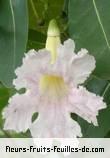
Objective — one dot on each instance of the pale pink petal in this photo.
(55, 129)
(85, 104)
(34, 64)
(74, 68)
(54, 121)
(66, 50)
(18, 114)
(81, 66)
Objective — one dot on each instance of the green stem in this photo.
(34, 9)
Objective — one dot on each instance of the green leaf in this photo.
(89, 26)
(4, 96)
(36, 40)
(13, 37)
(102, 88)
(42, 11)
(100, 131)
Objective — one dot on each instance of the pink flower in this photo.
(54, 91)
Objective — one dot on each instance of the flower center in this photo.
(54, 86)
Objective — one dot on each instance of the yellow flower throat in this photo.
(53, 86)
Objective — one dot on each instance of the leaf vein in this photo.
(100, 22)
(14, 30)
(106, 89)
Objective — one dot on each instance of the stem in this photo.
(34, 9)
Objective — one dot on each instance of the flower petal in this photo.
(81, 67)
(18, 114)
(66, 51)
(74, 68)
(85, 104)
(34, 64)
(54, 121)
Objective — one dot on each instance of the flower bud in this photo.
(53, 39)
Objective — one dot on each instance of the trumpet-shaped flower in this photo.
(52, 78)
